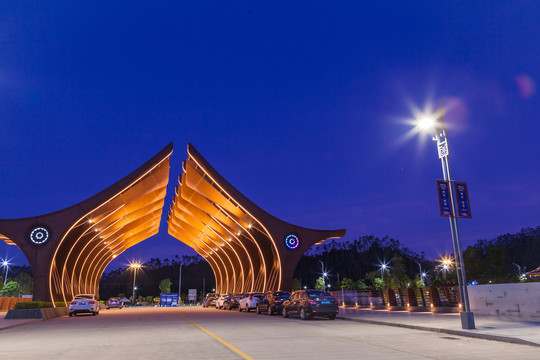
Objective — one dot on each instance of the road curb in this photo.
(506, 339)
(20, 324)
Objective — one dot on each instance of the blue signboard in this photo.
(168, 299)
(445, 204)
(462, 199)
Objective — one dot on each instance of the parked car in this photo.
(84, 303)
(232, 301)
(210, 300)
(309, 303)
(114, 302)
(219, 301)
(272, 302)
(249, 301)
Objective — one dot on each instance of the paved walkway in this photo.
(8, 324)
(487, 327)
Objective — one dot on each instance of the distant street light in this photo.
(324, 275)
(383, 268)
(436, 124)
(180, 283)
(423, 274)
(134, 267)
(5, 264)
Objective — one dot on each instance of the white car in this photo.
(84, 303)
(249, 301)
(220, 300)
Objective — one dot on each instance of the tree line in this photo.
(357, 264)
(195, 272)
(352, 264)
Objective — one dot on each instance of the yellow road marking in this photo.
(230, 346)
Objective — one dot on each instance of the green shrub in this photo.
(11, 289)
(38, 304)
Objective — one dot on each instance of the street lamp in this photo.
(383, 268)
(180, 284)
(323, 276)
(5, 264)
(435, 123)
(134, 267)
(423, 274)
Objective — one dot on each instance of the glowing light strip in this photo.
(132, 240)
(254, 240)
(63, 272)
(181, 223)
(81, 252)
(149, 222)
(126, 219)
(195, 199)
(212, 247)
(90, 270)
(247, 212)
(235, 289)
(233, 235)
(137, 225)
(206, 219)
(200, 198)
(212, 263)
(165, 158)
(218, 252)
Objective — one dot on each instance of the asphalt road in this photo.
(196, 333)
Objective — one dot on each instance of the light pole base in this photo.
(467, 320)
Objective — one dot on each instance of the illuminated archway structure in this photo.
(247, 248)
(68, 250)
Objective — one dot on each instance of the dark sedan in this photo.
(272, 302)
(210, 300)
(232, 301)
(114, 302)
(309, 303)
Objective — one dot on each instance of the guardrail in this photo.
(430, 298)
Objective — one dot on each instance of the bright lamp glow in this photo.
(426, 123)
(5, 263)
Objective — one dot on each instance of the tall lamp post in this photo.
(323, 276)
(180, 285)
(437, 124)
(383, 269)
(5, 264)
(134, 267)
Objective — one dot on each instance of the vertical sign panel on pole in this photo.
(462, 199)
(192, 295)
(445, 205)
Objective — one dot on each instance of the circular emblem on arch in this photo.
(292, 241)
(39, 235)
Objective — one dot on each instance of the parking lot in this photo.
(197, 333)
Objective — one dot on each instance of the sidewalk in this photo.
(487, 327)
(8, 324)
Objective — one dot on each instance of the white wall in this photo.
(518, 302)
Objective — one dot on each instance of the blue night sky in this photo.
(301, 105)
